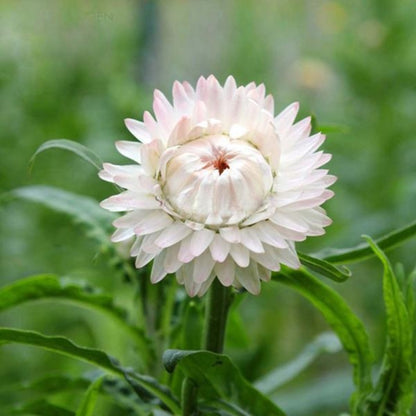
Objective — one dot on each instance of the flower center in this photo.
(216, 180)
(221, 164)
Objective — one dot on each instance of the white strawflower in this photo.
(220, 187)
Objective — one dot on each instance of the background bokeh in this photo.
(75, 69)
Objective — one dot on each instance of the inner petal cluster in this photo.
(216, 180)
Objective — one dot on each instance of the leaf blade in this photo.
(344, 323)
(325, 268)
(92, 356)
(87, 405)
(363, 251)
(393, 393)
(219, 380)
(72, 146)
(49, 286)
(325, 342)
(83, 209)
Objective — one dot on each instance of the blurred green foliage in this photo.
(75, 69)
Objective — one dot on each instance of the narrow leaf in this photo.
(343, 321)
(338, 274)
(393, 393)
(41, 408)
(71, 146)
(96, 357)
(86, 408)
(48, 286)
(218, 379)
(82, 209)
(324, 343)
(363, 250)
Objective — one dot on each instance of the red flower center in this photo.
(221, 164)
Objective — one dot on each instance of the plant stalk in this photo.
(218, 303)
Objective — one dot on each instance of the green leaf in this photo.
(393, 393)
(72, 146)
(326, 342)
(338, 274)
(342, 320)
(363, 250)
(40, 407)
(117, 388)
(96, 357)
(81, 208)
(332, 128)
(218, 380)
(48, 286)
(86, 408)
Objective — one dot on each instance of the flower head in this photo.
(220, 187)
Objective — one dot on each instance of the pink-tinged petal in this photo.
(110, 171)
(163, 112)
(129, 220)
(285, 119)
(200, 87)
(200, 241)
(225, 271)
(240, 254)
(172, 263)
(150, 155)
(185, 255)
(264, 274)
(285, 221)
(152, 222)
(138, 130)
(182, 100)
(269, 259)
(131, 183)
(288, 234)
(289, 258)
(251, 240)
(158, 271)
(230, 234)
(297, 154)
(156, 130)
(128, 201)
(172, 234)
(266, 232)
(269, 104)
(310, 202)
(230, 87)
(237, 131)
(203, 266)
(149, 245)
(144, 258)
(122, 235)
(206, 285)
(249, 278)
(185, 275)
(180, 132)
(298, 131)
(219, 248)
(136, 247)
(130, 150)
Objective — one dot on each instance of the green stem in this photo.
(189, 398)
(219, 299)
(218, 303)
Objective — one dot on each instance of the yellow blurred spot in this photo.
(332, 17)
(312, 73)
(372, 33)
